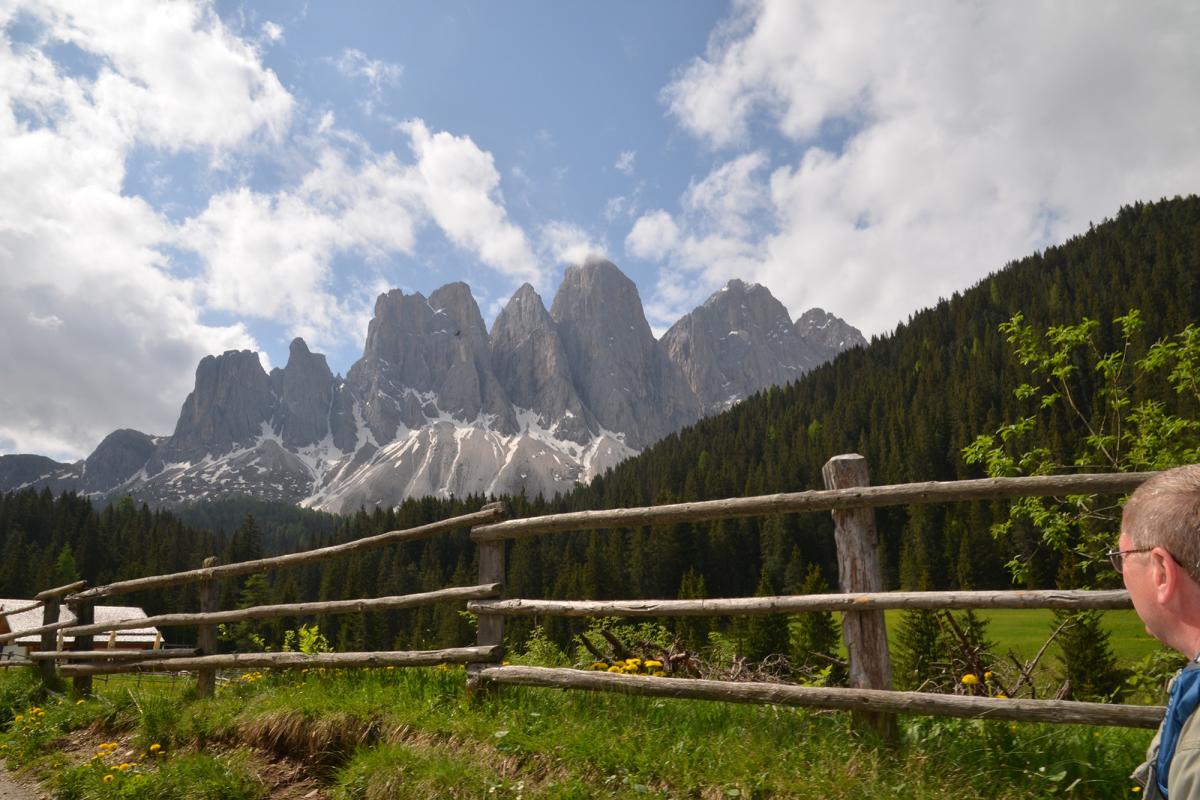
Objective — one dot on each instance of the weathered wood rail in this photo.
(861, 601)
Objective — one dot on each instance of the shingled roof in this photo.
(28, 620)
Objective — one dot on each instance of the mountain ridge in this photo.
(438, 405)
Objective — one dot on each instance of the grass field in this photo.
(1025, 630)
(375, 734)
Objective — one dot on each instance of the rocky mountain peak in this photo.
(116, 459)
(304, 389)
(530, 361)
(424, 358)
(232, 399)
(618, 368)
(740, 340)
(829, 333)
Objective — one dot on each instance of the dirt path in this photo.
(10, 790)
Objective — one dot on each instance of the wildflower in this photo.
(968, 680)
(154, 748)
(108, 778)
(80, 702)
(1136, 789)
(599, 665)
(633, 661)
(658, 673)
(1001, 696)
(18, 718)
(987, 676)
(652, 664)
(614, 668)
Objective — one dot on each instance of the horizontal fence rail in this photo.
(110, 655)
(396, 658)
(292, 610)
(816, 500)
(54, 626)
(787, 604)
(59, 591)
(869, 700)
(487, 514)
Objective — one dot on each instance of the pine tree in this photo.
(815, 636)
(765, 635)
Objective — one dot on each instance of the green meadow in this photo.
(1024, 631)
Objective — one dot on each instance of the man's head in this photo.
(1165, 512)
(1160, 534)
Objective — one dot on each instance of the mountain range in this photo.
(439, 406)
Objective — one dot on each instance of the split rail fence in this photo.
(848, 496)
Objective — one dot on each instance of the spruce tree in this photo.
(815, 635)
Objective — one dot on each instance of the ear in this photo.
(1166, 574)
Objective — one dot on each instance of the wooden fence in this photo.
(848, 496)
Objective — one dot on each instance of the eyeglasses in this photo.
(1117, 557)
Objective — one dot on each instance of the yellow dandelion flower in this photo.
(80, 702)
(1136, 789)
(614, 668)
(1001, 695)
(19, 718)
(154, 748)
(108, 778)
(599, 665)
(968, 680)
(633, 661)
(653, 664)
(658, 673)
(987, 676)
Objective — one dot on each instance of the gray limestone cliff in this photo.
(741, 340)
(531, 363)
(621, 373)
(830, 334)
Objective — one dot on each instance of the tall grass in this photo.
(415, 734)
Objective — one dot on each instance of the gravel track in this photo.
(10, 790)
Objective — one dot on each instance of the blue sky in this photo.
(178, 177)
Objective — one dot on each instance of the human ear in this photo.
(1165, 573)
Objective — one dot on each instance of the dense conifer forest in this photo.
(909, 402)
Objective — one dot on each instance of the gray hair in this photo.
(1165, 512)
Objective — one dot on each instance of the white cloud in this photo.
(654, 235)
(625, 161)
(354, 63)
(100, 332)
(272, 32)
(564, 243)
(460, 187)
(270, 256)
(956, 137)
(172, 76)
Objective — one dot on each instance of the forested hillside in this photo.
(909, 402)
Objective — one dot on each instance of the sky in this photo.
(180, 178)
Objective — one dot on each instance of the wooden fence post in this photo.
(49, 640)
(85, 614)
(864, 632)
(491, 626)
(206, 634)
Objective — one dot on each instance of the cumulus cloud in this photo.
(99, 327)
(654, 235)
(460, 186)
(565, 243)
(936, 142)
